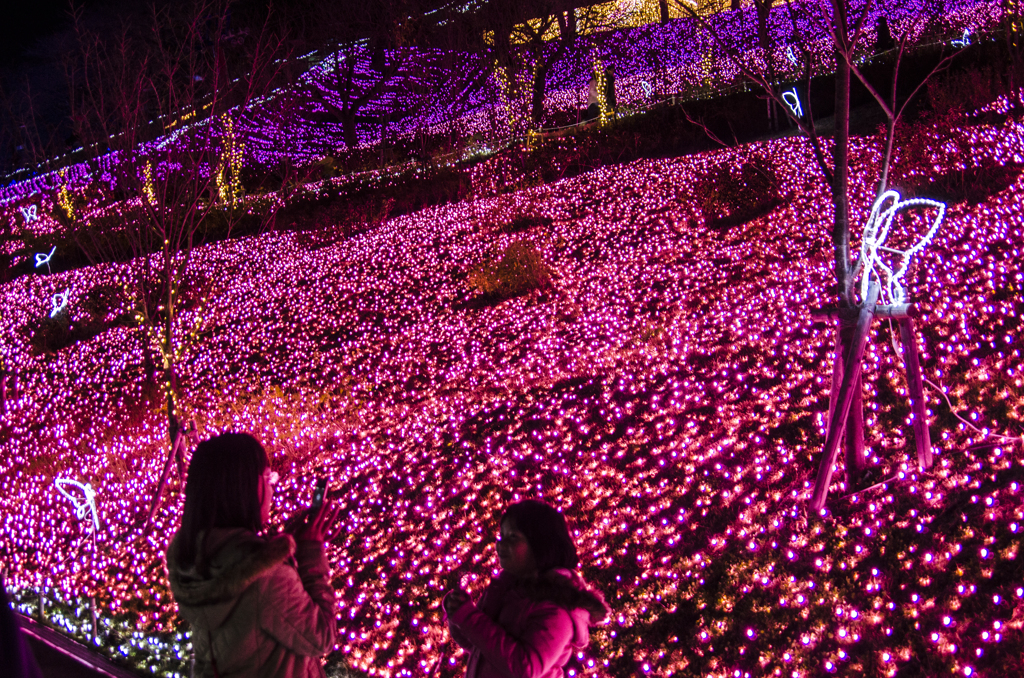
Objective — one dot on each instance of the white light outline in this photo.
(793, 105)
(648, 90)
(59, 302)
(45, 258)
(792, 56)
(965, 40)
(31, 213)
(875, 233)
(81, 508)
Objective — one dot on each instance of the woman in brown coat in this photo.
(257, 606)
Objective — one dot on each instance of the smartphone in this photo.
(319, 490)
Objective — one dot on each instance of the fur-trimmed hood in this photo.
(527, 627)
(229, 563)
(568, 590)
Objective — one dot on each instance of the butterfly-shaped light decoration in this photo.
(876, 231)
(59, 302)
(964, 41)
(83, 506)
(792, 100)
(791, 56)
(31, 213)
(45, 258)
(648, 90)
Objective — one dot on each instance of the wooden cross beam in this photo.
(846, 398)
(853, 361)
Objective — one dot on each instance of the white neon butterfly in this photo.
(82, 508)
(59, 302)
(876, 231)
(792, 100)
(648, 90)
(792, 56)
(45, 258)
(31, 213)
(964, 41)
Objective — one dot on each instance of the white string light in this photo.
(59, 302)
(792, 100)
(88, 506)
(964, 41)
(45, 258)
(875, 233)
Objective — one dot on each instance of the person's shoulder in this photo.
(245, 556)
(270, 564)
(172, 551)
(240, 560)
(273, 550)
(569, 590)
(500, 585)
(228, 547)
(547, 610)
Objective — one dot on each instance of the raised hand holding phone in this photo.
(455, 599)
(319, 490)
(318, 520)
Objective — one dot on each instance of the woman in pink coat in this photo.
(538, 611)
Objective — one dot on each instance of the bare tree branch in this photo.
(872, 91)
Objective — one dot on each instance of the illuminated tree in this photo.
(847, 28)
(846, 25)
(1013, 17)
(348, 83)
(229, 168)
(525, 42)
(152, 102)
(363, 52)
(765, 43)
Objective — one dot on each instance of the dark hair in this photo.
(546, 532)
(222, 489)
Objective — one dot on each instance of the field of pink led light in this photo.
(668, 395)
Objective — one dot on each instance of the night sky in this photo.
(25, 22)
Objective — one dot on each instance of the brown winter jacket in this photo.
(265, 613)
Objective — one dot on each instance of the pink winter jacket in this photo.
(260, 608)
(526, 629)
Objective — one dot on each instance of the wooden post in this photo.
(179, 456)
(851, 379)
(854, 433)
(855, 462)
(172, 455)
(915, 387)
(837, 373)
